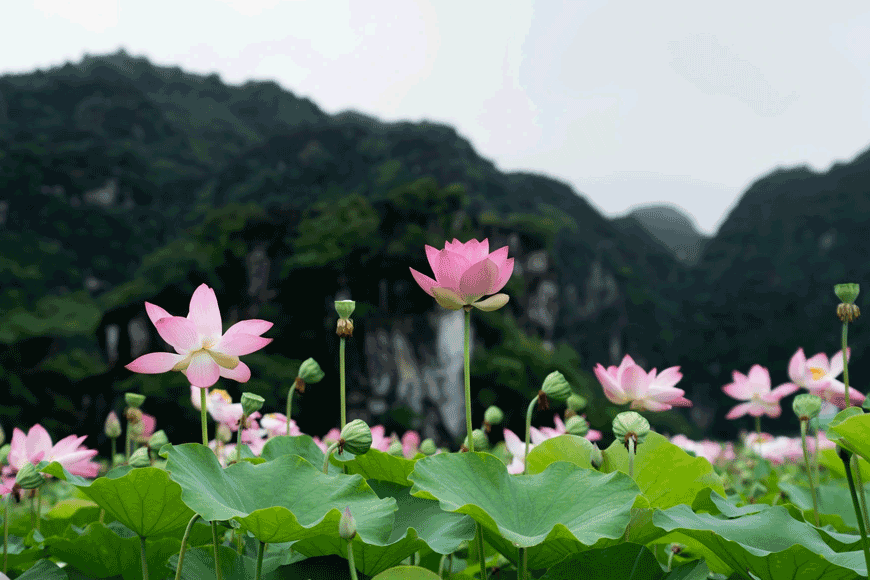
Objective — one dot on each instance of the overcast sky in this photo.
(631, 103)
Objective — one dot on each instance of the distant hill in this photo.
(668, 226)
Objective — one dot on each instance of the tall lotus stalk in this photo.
(309, 372)
(6, 529)
(845, 457)
(344, 329)
(347, 531)
(631, 428)
(807, 407)
(847, 312)
(464, 274)
(112, 429)
(555, 388)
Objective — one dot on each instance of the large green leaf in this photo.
(46, 570)
(561, 510)
(626, 562)
(145, 499)
(281, 500)
(570, 448)
(199, 563)
(770, 544)
(833, 498)
(853, 433)
(301, 445)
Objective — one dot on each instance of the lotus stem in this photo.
(203, 405)
(846, 366)
(260, 552)
(239, 438)
(478, 531)
(144, 559)
(217, 563)
(845, 457)
(6, 532)
(341, 375)
(350, 563)
(329, 450)
(529, 430)
(630, 444)
(758, 434)
(114, 451)
(524, 564)
(290, 405)
(184, 545)
(127, 441)
(859, 483)
(809, 469)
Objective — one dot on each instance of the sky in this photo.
(632, 103)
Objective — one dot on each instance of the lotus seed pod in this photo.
(395, 448)
(556, 387)
(481, 442)
(252, 403)
(158, 440)
(847, 293)
(4, 452)
(806, 406)
(630, 425)
(223, 433)
(493, 415)
(356, 438)
(427, 447)
(112, 428)
(576, 403)
(29, 477)
(134, 400)
(577, 425)
(346, 525)
(596, 458)
(140, 458)
(345, 308)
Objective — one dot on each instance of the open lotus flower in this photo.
(465, 273)
(276, 424)
(628, 383)
(204, 352)
(36, 446)
(755, 388)
(819, 376)
(517, 448)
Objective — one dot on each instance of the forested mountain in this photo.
(123, 182)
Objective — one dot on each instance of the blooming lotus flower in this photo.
(645, 391)
(204, 352)
(819, 376)
(276, 424)
(550, 432)
(517, 448)
(755, 388)
(36, 446)
(465, 273)
(709, 450)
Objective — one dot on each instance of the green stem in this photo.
(478, 535)
(441, 565)
(217, 563)
(845, 456)
(342, 379)
(859, 483)
(32, 508)
(846, 367)
(184, 544)
(6, 531)
(290, 405)
(38, 509)
(529, 430)
(816, 456)
(758, 433)
(260, 553)
(240, 542)
(114, 450)
(144, 559)
(127, 442)
(809, 469)
(631, 451)
(350, 563)
(468, 379)
(203, 407)
(524, 563)
(329, 450)
(239, 438)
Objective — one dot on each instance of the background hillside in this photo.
(124, 182)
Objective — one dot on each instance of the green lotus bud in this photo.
(596, 458)
(29, 477)
(575, 402)
(630, 425)
(158, 440)
(134, 400)
(252, 403)
(346, 524)
(345, 308)
(847, 293)
(356, 438)
(427, 447)
(112, 428)
(577, 425)
(309, 372)
(395, 448)
(556, 387)
(493, 416)
(4, 452)
(223, 433)
(481, 441)
(140, 458)
(806, 406)
(119, 459)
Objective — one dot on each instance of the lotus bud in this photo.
(556, 387)
(4, 452)
(481, 441)
(630, 425)
(29, 477)
(427, 447)
(395, 448)
(223, 433)
(140, 458)
(112, 428)
(576, 402)
(158, 440)
(346, 525)
(251, 403)
(356, 438)
(596, 458)
(492, 416)
(309, 372)
(134, 400)
(577, 425)
(807, 406)
(345, 308)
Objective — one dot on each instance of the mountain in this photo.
(668, 226)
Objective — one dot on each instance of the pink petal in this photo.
(67, 445)
(837, 363)
(447, 298)
(635, 382)
(504, 274)
(477, 280)
(202, 371)
(434, 257)
(797, 366)
(425, 282)
(594, 435)
(738, 411)
(242, 373)
(649, 405)
(761, 377)
(155, 313)
(17, 449)
(450, 269)
(155, 362)
(536, 437)
(241, 344)
(38, 441)
(740, 390)
(180, 333)
(669, 377)
(612, 389)
(779, 392)
(253, 327)
(149, 422)
(205, 314)
(819, 361)
(513, 443)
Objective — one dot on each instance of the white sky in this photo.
(630, 102)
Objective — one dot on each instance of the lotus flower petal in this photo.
(205, 314)
(241, 374)
(253, 327)
(240, 344)
(180, 333)
(202, 371)
(155, 362)
(155, 313)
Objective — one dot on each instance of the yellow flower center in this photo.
(817, 373)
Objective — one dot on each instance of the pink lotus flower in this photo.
(709, 450)
(819, 376)
(204, 353)
(465, 273)
(276, 424)
(755, 388)
(149, 423)
(410, 444)
(517, 448)
(36, 446)
(550, 432)
(645, 391)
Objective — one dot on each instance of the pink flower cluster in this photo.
(712, 451)
(778, 450)
(36, 446)
(517, 446)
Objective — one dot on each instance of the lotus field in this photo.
(259, 499)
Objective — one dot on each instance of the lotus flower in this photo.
(517, 448)
(465, 273)
(36, 446)
(755, 388)
(709, 450)
(628, 383)
(550, 432)
(276, 424)
(819, 376)
(204, 353)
